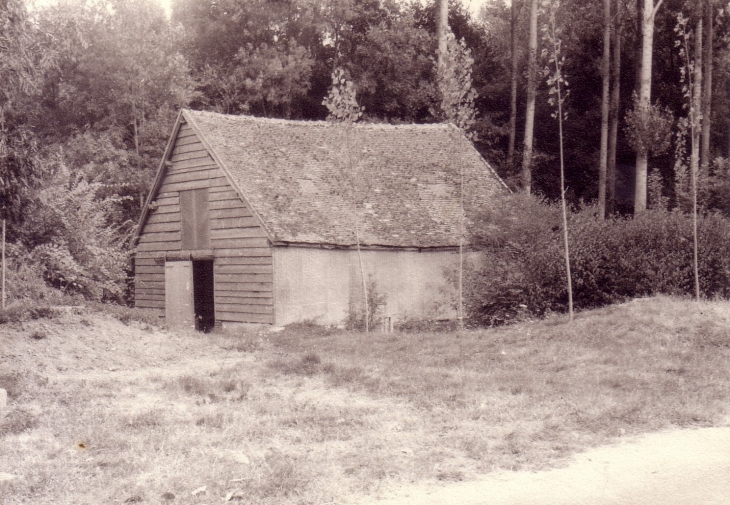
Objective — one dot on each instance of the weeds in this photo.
(145, 420)
(126, 315)
(27, 312)
(226, 388)
(17, 421)
(12, 383)
(308, 365)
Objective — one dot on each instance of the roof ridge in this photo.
(317, 122)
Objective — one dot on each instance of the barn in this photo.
(253, 220)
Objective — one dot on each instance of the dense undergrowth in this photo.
(523, 271)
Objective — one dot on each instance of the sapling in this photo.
(457, 108)
(691, 79)
(555, 79)
(341, 102)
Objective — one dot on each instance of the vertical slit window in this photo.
(194, 219)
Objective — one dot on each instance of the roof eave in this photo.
(227, 173)
(158, 179)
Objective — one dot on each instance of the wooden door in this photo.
(179, 306)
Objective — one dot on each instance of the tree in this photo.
(691, 79)
(457, 108)
(531, 95)
(264, 81)
(515, 8)
(649, 11)
(606, 82)
(344, 111)
(552, 33)
(707, 92)
(394, 71)
(24, 59)
(614, 109)
(442, 29)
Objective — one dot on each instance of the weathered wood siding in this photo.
(243, 268)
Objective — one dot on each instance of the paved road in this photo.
(682, 467)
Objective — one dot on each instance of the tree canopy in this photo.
(91, 89)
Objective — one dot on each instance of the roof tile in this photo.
(296, 176)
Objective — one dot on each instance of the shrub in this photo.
(79, 245)
(523, 271)
(19, 313)
(377, 301)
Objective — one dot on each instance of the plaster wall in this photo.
(321, 284)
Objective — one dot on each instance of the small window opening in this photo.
(203, 296)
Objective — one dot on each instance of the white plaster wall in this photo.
(319, 284)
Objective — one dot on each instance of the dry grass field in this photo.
(105, 411)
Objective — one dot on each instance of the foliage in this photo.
(612, 261)
(394, 71)
(649, 129)
(264, 81)
(376, 302)
(455, 85)
(23, 60)
(341, 101)
(86, 250)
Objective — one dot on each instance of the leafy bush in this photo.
(83, 249)
(376, 300)
(19, 313)
(523, 271)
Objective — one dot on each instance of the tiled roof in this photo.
(296, 177)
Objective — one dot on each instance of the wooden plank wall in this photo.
(243, 265)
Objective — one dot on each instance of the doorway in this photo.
(203, 295)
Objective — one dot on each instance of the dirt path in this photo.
(680, 467)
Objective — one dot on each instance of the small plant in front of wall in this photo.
(551, 34)
(358, 319)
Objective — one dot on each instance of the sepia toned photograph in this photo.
(365, 252)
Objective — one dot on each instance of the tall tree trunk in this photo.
(638, 47)
(513, 90)
(707, 93)
(531, 92)
(442, 28)
(606, 80)
(647, 42)
(727, 129)
(695, 118)
(614, 111)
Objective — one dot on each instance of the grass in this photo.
(322, 416)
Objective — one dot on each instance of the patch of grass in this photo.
(330, 418)
(13, 383)
(226, 387)
(243, 342)
(126, 315)
(309, 329)
(145, 420)
(639, 367)
(39, 335)
(17, 421)
(28, 312)
(308, 365)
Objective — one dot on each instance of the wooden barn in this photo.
(252, 220)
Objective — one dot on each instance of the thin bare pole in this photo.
(3, 293)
